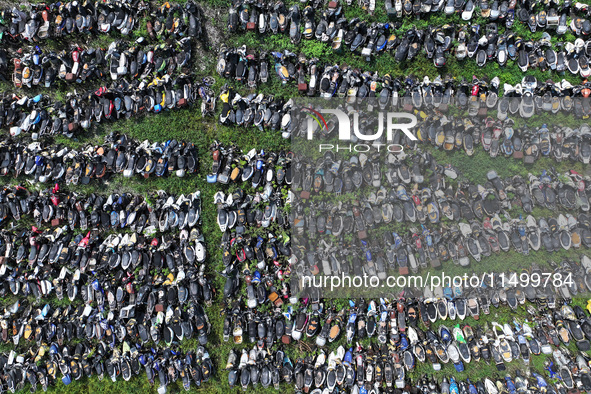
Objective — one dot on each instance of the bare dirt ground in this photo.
(215, 20)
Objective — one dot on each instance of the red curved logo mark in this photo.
(318, 117)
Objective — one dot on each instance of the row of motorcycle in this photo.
(276, 17)
(502, 138)
(164, 367)
(497, 138)
(314, 78)
(371, 39)
(48, 163)
(36, 22)
(82, 64)
(367, 93)
(40, 115)
(334, 175)
(379, 252)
